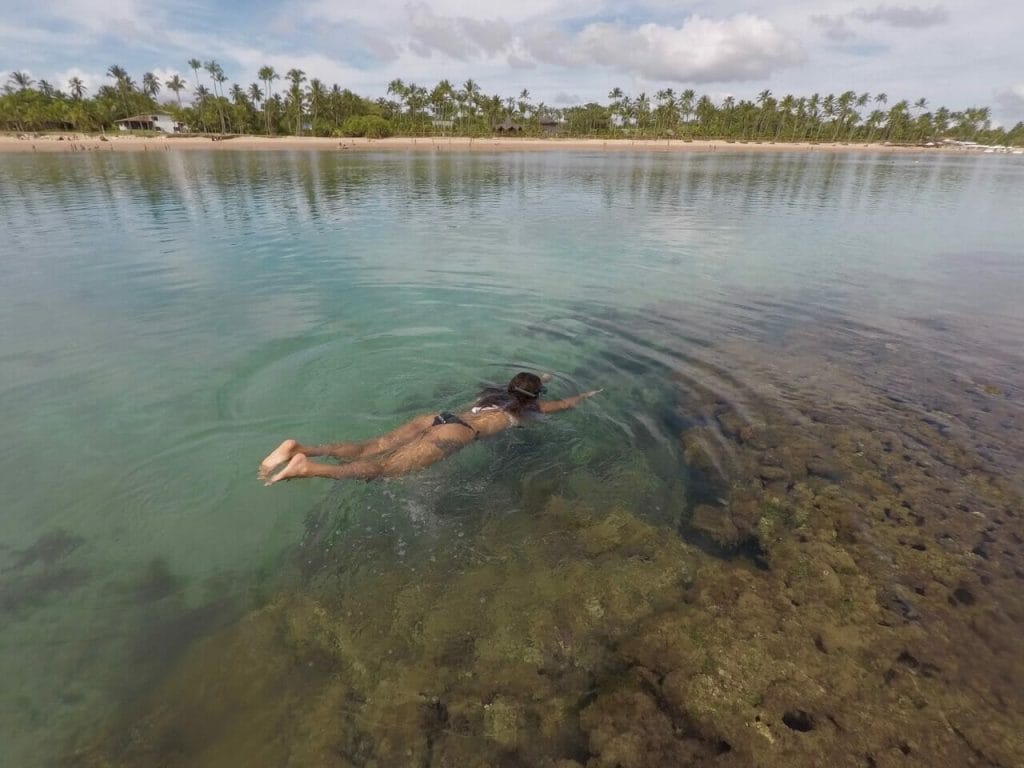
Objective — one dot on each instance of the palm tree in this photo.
(297, 77)
(642, 106)
(194, 65)
(897, 121)
(813, 115)
(800, 120)
(615, 100)
(398, 88)
(767, 105)
(267, 74)
(238, 114)
(843, 109)
(666, 114)
(748, 122)
(150, 84)
(828, 109)
(705, 112)
(22, 80)
(441, 101)
(77, 88)
(176, 85)
(217, 76)
(875, 119)
(685, 104)
(971, 121)
(200, 91)
(460, 104)
(787, 105)
(220, 79)
(524, 103)
(472, 94)
(317, 97)
(123, 84)
(416, 101)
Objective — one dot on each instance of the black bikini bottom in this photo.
(450, 418)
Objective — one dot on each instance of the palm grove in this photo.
(292, 104)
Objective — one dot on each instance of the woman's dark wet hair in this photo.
(522, 394)
(526, 385)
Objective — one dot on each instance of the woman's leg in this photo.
(347, 450)
(443, 440)
(301, 466)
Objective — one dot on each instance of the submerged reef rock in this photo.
(845, 588)
(451, 663)
(40, 571)
(48, 549)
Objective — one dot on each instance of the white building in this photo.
(160, 121)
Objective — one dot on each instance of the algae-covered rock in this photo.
(850, 596)
(625, 729)
(716, 523)
(458, 663)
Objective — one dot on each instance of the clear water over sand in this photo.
(169, 318)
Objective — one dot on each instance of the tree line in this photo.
(292, 104)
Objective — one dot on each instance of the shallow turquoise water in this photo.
(168, 318)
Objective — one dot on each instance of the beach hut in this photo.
(508, 127)
(549, 126)
(160, 121)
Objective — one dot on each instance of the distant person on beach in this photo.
(421, 442)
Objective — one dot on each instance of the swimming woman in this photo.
(422, 441)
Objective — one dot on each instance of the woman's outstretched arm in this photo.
(554, 406)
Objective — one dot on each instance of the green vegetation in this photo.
(370, 126)
(309, 107)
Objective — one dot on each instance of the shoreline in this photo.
(74, 142)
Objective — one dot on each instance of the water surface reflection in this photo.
(788, 531)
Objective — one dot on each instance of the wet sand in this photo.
(71, 142)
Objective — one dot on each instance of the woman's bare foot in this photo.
(278, 456)
(295, 468)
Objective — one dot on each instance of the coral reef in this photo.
(844, 588)
(40, 572)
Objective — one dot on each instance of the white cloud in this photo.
(127, 20)
(835, 27)
(698, 50)
(1011, 102)
(702, 50)
(838, 26)
(577, 48)
(386, 12)
(904, 15)
(458, 37)
(91, 81)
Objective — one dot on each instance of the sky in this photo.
(955, 54)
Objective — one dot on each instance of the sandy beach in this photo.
(72, 142)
